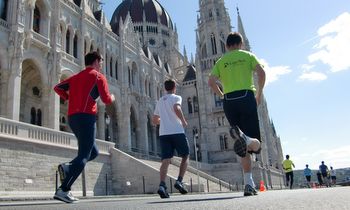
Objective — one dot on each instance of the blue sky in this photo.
(305, 46)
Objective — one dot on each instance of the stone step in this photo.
(173, 171)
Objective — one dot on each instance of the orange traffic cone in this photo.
(314, 185)
(262, 186)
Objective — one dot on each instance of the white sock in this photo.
(248, 140)
(248, 179)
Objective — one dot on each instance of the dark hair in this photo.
(287, 156)
(234, 38)
(91, 57)
(169, 84)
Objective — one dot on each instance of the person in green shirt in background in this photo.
(235, 71)
(288, 166)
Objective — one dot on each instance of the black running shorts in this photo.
(170, 143)
(241, 109)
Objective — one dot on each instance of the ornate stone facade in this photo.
(43, 42)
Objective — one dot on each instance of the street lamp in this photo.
(195, 137)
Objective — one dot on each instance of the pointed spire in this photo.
(240, 29)
(192, 59)
(185, 54)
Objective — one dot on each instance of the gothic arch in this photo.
(113, 126)
(31, 92)
(65, 73)
(135, 143)
(69, 40)
(150, 136)
(134, 73)
(76, 43)
(43, 7)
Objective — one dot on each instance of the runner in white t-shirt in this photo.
(169, 115)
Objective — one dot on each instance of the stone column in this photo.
(142, 130)
(124, 134)
(51, 108)
(3, 90)
(154, 134)
(14, 94)
(100, 131)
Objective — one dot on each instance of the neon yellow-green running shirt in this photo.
(287, 165)
(235, 70)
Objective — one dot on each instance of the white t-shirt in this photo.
(169, 122)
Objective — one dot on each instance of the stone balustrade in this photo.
(38, 134)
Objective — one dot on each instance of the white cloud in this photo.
(333, 47)
(273, 73)
(337, 157)
(307, 67)
(312, 76)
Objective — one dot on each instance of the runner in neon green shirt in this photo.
(288, 166)
(235, 72)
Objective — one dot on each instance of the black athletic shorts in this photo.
(241, 109)
(169, 143)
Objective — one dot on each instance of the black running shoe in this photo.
(240, 145)
(180, 187)
(162, 192)
(249, 190)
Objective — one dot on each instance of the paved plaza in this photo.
(321, 198)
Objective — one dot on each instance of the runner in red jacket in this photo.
(81, 91)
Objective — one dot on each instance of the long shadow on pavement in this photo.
(195, 200)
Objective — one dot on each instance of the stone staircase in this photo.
(207, 182)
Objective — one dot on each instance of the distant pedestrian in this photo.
(82, 90)
(288, 169)
(169, 115)
(333, 176)
(307, 174)
(319, 178)
(324, 171)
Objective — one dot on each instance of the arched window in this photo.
(38, 114)
(116, 69)
(213, 44)
(75, 46)
(149, 90)
(91, 48)
(133, 131)
(218, 101)
(146, 88)
(77, 2)
(129, 76)
(150, 136)
(204, 51)
(67, 41)
(222, 43)
(3, 9)
(189, 104)
(32, 116)
(195, 104)
(223, 142)
(36, 19)
(85, 46)
(111, 67)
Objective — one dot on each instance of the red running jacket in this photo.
(82, 90)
